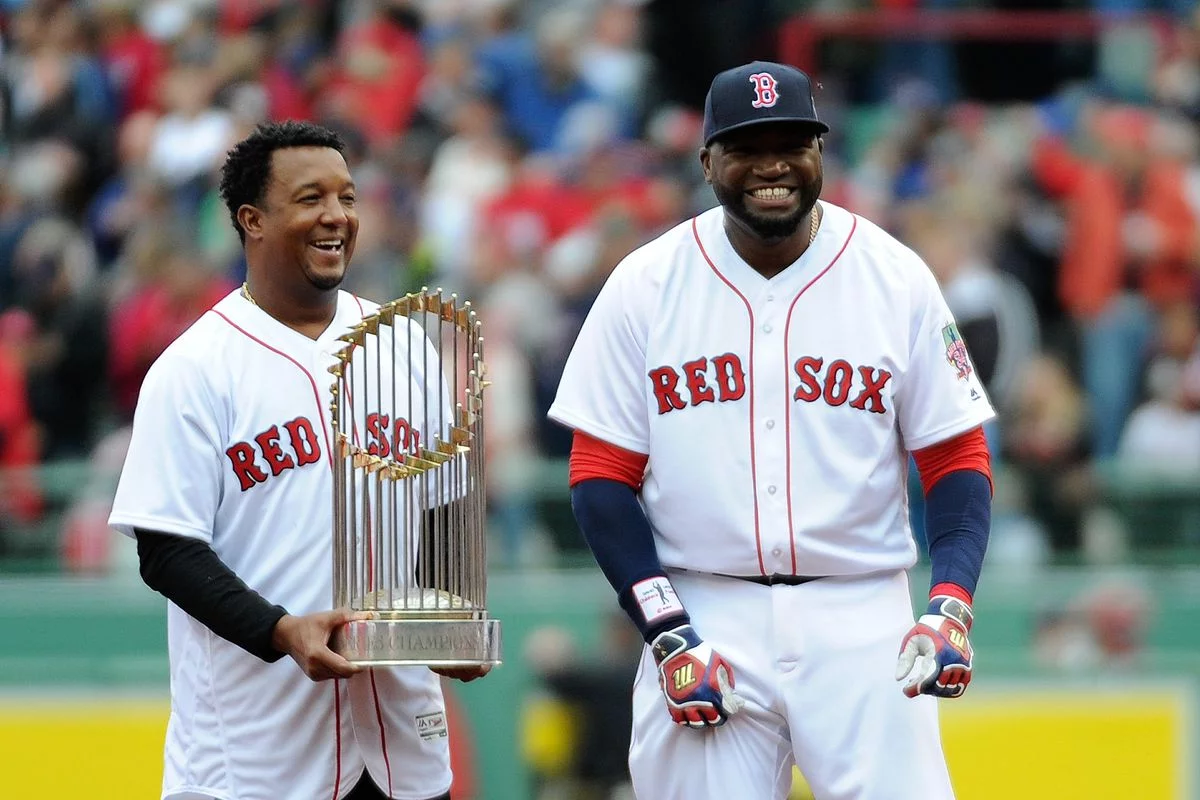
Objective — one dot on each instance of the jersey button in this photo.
(770, 424)
(770, 490)
(770, 297)
(766, 328)
(777, 552)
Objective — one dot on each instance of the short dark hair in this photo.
(248, 165)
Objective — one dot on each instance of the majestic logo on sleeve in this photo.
(722, 379)
(956, 351)
(766, 90)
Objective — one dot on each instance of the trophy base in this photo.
(424, 642)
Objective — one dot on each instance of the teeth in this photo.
(328, 243)
(772, 193)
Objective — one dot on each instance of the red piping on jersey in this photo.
(337, 737)
(753, 464)
(382, 735)
(307, 374)
(787, 378)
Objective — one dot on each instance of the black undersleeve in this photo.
(188, 573)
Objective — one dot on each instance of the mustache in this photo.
(769, 226)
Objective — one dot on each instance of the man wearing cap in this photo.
(744, 395)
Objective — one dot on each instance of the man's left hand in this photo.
(936, 656)
(464, 674)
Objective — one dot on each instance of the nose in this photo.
(771, 167)
(334, 213)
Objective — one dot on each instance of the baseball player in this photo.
(744, 394)
(227, 488)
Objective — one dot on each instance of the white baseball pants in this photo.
(815, 664)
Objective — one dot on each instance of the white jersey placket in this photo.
(768, 415)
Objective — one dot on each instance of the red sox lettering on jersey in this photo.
(304, 447)
(834, 385)
(404, 437)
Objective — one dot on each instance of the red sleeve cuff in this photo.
(593, 458)
(951, 590)
(966, 451)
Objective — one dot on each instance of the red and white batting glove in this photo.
(935, 656)
(696, 680)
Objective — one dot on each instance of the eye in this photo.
(349, 199)
(309, 199)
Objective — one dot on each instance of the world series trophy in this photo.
(409, 544)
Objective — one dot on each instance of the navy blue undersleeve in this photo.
(619, 535)
(958, 520)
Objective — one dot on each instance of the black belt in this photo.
(773, 580)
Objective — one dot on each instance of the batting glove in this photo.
(935, 656)
(698, 682)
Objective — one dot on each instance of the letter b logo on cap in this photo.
(766, 93)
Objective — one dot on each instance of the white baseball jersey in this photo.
(231, 446)
(776, 413)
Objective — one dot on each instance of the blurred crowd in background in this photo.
(514, 151)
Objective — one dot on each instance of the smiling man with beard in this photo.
(744, 395)
(768, 180)
(228, 489)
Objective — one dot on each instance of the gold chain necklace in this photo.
(812, 229)
(246, 293)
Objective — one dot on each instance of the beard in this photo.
(326, 282)
(770, 227)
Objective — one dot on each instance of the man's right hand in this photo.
(698, 682)
(306, 640)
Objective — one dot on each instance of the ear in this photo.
(821, 145)
(706, 164)
(251, 220)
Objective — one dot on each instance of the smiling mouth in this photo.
(334, 246)
(771, 193)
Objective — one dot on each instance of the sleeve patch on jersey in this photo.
(656, 598)
(956, 351)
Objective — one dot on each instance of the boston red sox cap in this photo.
(758, 92)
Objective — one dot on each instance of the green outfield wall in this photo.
(82, 659)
